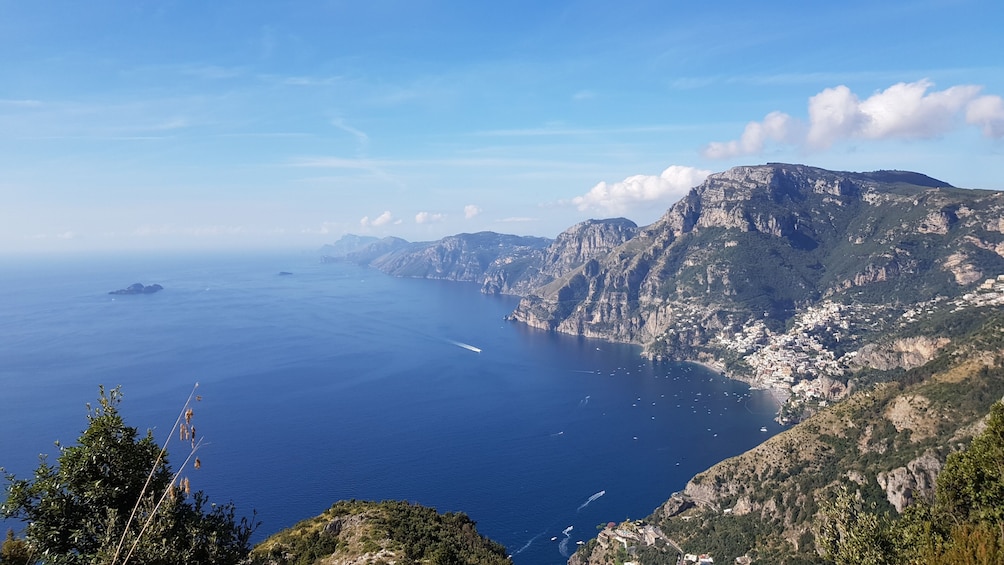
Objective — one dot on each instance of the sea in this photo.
(328, 381)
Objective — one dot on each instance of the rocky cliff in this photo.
(356, 533)
(574, 247)
(887, 444)
(464, 257)
(731, 268)
(500, 263)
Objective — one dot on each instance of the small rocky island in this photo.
(138, 288)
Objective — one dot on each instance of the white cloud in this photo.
(325, 228)
(833, 113)
(776, 126)
(20, 103)
(428, 218)
(902, 111)
(471, 211)
(617, 197)
(66, 235)
(987, 112)
(381, 220)
(187, 231)
(360, 135)
(517, 220)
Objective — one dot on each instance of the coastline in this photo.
(778, 394)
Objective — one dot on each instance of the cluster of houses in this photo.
(794, 361)
(989, 293)
(799, 364)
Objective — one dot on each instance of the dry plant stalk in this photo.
(186, 432)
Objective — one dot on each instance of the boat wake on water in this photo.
(590, 500)
(563, 546)
(466, 346)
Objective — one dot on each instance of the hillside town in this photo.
(806, 363)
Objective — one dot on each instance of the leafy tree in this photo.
(965, 524)
(15, 551)
(112, 499)
(850, 534)
(971, 486)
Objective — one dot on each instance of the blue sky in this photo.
(150, 125)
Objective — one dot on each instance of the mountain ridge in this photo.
(869, 303)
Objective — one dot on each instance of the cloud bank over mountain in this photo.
(903, 111)
(619, 197)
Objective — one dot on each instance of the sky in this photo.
(148, 125)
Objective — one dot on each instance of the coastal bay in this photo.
(338, 382)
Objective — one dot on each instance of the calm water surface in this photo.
(339, 382)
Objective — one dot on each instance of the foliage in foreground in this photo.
(384, 532)
(964, 524)
(113, 498)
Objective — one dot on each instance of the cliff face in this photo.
(500, 263)
(463, 257)
(572, 248)
(466, 257)
(762, 243)
(887, 443)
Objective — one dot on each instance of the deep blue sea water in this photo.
(339, 382)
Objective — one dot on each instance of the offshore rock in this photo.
(138, 288)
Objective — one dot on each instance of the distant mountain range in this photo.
(740, 260)
(810, 282)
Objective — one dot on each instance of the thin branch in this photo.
(163, 497)
(149, 478)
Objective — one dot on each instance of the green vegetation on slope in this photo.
(963, 524)
(884, 444)
(384, 532)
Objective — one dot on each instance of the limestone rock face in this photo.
(904, 353)
(761, 243)
(463, 257)
(573, 248)
(904, 485)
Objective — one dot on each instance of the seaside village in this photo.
(798, 367)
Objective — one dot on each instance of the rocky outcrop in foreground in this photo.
(356, 533)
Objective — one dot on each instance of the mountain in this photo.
(348, 243)
(777, 272)
(360, 250)
(574, 247)
(466, 257)
(868, 303)
(500, 263)
(355, 532)
(885, 444)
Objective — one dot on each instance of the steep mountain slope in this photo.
(887, 443)
(574, 247)
(465, 257)
(501, 263)
(752, 251)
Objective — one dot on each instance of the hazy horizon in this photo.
(152, 126)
